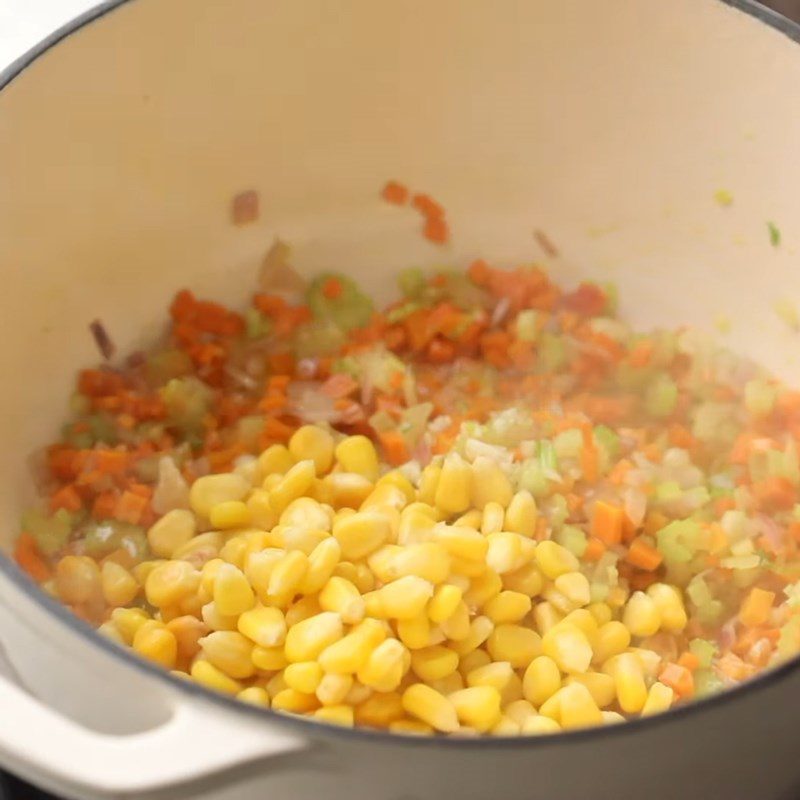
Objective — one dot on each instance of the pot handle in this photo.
(197, 740)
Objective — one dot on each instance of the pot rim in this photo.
(307, 726)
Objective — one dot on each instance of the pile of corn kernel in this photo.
(306, 582)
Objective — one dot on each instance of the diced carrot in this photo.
(479, 272)
(589, 455)
(110, 462)
(339, 385)
(436, 230)
(641, 353)
(27, 555)
(130, 507)
(689, 660)
(774, 493)
(441, 351)
(276, 431)
(427, 206)
(67, 498)
(394, 447)
(607, 522)
(679, 678)
(756, 607)
(594, 549)
(394, 192)
(332, 288)
(104, 505)
(643, 555)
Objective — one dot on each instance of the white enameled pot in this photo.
(607, 125)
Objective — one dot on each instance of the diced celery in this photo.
(411, 281)
(735, 524)
(79, 439)
(661, 396)
(557, 510)
(573, 538)
(528, 325)
(188, 401)
(351, 308)
(759, 397)
(612, 297)
(789, 640)
(745, 562)
(568, 444)
(50, 532)
(147, 469)
(532, 477)
(608, 440)
(598, 591)
(402, 311)
(249, 430)
(710, 612)
(707, 682)
(704, 650)
(668, 492)
(547, 457)
(678, 540)
(257, 325)
(102, 538)
(320, 337)
(552, 352)
(167, 364)
(715, 423)
(79, 404)
(792, 592)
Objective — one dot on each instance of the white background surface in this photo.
(23, 23)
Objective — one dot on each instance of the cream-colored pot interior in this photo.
(610, 126)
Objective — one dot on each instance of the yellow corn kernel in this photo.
(263, 625)
(519, 711)
(302, 609)
(575, 587)
(415, 633)
(568, 646)
(601, 613)
(397, 479)
(514, 643)
(480, 629)
(229, 651)
(477, 706)
(206, 674)
(275, 684)
(229, 514)
(199, 549)
(582, 618)
(612, 718)
(276, 459)
(617, 596)
(461, 541)
(538, 725)
(415, 526)
(649, 659)
(385, 496)
(406, 597)
(233, 594)
(496, 674)
(295, 483)
(610, 640)
(489, 484)
(383, 669)
(304, 676)
(269, 659)
(357, 693)
(431, 707)
(119, 586)
(357, 454)
(505, 726)
(313, 443)
(474, 660)
(334, 689)
(578, 708)
(457, 626)
(450, 683)
(411, 727)
(170, 532)
(287, 574)
(428, 560)
(600, 685)
(255, 695)
(509, 551)
(470, 519)
(77, 579)
(381, 562)
(444, 602)
(521, 514)
(380, 710)
(507, 607)
(492, 518)
(555, 560)
(187, 631)
(429, 483)
(629, 681)
(462, 568)
(526, 580)
(342, 596)
(552, 706)
(307, 639)
(171, 581)
(258, 570)
(348, 489)
(306, 514)
(261, 512)
(211, 490)
(482, 589)
(350, 653)
(641, 616)
(434, 663)
(512, 690)
(659, 699)
(153, 641)
(208, 574)
(234, 551)
(546, 616)
(216, 621)
(110, 631)
(336, 715)
(670, 606)
(127, 621)
(361, 533)
(294, 701)
(321, 564)
(453, 488)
